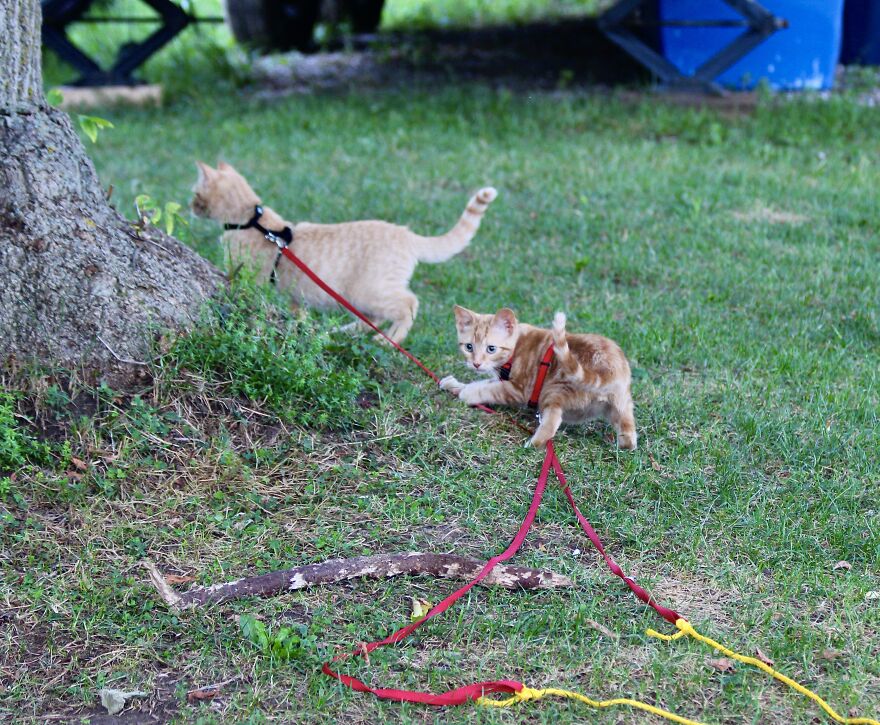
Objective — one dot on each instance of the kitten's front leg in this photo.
(486, 392)
(451, 384)
(551, 418)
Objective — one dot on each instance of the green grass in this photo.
(735, 261)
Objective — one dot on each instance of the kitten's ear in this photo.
(223, 166)
(464, 318)
(205, 171)
(505, 321)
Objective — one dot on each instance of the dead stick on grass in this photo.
(379, 566)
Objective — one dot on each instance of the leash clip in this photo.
(275, 239)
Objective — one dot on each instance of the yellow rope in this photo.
(685, 629)
(528, 693)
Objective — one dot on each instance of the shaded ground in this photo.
(550, 55)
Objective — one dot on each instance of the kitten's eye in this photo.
(469, 347)
(491, 349)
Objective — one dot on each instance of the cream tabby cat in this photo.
(589, 375)
(369, 262)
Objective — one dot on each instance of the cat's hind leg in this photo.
(357, 327)
(402, 312)
(620, 415)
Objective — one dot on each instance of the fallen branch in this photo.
(373, 567)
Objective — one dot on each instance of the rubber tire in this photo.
(274, 25)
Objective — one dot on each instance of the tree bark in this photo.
(378, 566)
(79, 286)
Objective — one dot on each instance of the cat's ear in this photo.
(223, 166)
(464, 318)
(504, 321)
(205, 171)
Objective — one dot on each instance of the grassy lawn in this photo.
(735, 261)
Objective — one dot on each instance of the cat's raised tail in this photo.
(566, 360)
(446, 246)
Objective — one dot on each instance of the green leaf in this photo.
(171, 215)
(92, 124)
(54, 97)
(254, 631)
(89, 128)
(148, 208)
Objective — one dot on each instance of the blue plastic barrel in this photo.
(861, 32)
(802, 56)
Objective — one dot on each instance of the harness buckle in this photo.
(275, 239)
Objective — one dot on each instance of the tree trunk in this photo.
(79, 286)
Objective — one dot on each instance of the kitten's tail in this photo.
(446, 246)
(567, 362)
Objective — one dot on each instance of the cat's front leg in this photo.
(486, 392)
(551, 418)
(451, 384)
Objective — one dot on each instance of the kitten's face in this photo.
(222, 194)
(486, 341)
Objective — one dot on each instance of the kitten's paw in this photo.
(627, 441)
(451, 384)
(537, 441)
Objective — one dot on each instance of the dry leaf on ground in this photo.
(722, 664)
(830, 654)
(845, 565)
(761, 656)
(600, 628)
(178, 579)
(206, 694)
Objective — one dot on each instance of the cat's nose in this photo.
(477, 365)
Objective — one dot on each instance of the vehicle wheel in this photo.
(273, 24)
(365, 14)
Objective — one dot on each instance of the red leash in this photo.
(477, 689)
(551, 463)
(303, 267)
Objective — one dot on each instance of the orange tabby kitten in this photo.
(368, 262)
(589, 375)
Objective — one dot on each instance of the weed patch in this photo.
(284, 363)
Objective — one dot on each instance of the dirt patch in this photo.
(697, 599)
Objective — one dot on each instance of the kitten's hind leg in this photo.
(621, 416)
(551, 417)
(402, 314)
(358, 327)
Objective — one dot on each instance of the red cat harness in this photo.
(282, 239)
(543, 369)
